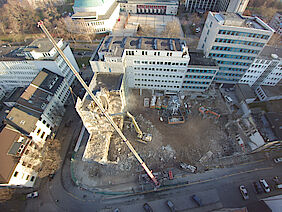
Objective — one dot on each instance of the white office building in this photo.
(94, 16)
(154, 63)
(235, 6)
(234, 41)
(153, 7)
(266, 69)
(19, 65)
(35, 116)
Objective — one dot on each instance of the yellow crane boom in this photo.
(148, 171)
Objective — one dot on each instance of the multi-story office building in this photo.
(154, 7)
(154, 63)
(232, 6)
(36, 114)
(235, 6)
(40, 108)
(204, 5)
(94, 16)
(234, 41)
(276, 22)
(19, 65)
(266, 69)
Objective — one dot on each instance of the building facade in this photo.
(36, 114)
(276, 22)
(94, 16)
(154, 63)
(19, 66)
(235, 6)
(234, 41)
(266, 69)
(153, 7)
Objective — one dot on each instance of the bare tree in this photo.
(5, 194)
(51, 158)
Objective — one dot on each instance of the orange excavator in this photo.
(206, 111)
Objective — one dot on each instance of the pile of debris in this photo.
(97, 125)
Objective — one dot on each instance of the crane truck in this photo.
(100, 106)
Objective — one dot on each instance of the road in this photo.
(217, 188)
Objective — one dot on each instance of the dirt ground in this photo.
(171, 144)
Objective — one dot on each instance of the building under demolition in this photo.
(109, 90)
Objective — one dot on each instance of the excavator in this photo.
(142, 137)
(206, 111)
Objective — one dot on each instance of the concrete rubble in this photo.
(97, 125)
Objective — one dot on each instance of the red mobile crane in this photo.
(148, 171)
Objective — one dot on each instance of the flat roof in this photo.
(246, 91)
(268, 51)
(275, 120)
(41, 45)
(8, 162)
(115, 45)
(238, 20)
(272, 90)
(17, 53)
(15, 94)
(198, 58)
(152, 1)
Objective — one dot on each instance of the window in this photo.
(27, 177)
(16, 174)
(32, 179)
(42, 135)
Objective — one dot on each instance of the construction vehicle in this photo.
(159, 103)
(146, 102)
(153, 102)
(142, 137)
(100, 106)
(205, 111)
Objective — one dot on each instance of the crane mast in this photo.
(100, 106)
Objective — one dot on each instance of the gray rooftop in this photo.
(272, 91)
(268, 51)
(275, 120)
(31, 104)
(151, 1)
(41, 45)
(237, 20)
(115, 45)
(17, 53)
(244, 91)
(198, 59)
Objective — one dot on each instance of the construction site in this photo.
(176, 132)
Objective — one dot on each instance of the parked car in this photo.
(32, 195)
(197, 200)
(257, 187)
(264, 185)
(170, 205)
(244, 192)
(147, 207)
(277, 160)
(228, 99)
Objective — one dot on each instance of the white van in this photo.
(228, 99)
